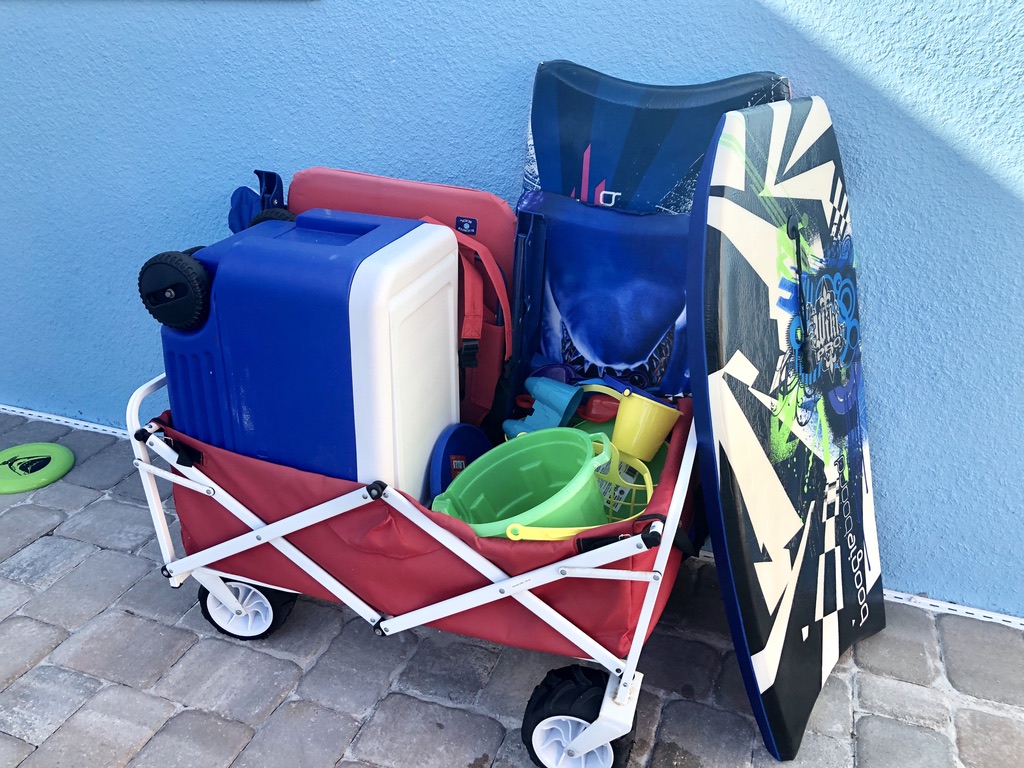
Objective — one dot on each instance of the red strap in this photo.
(472, 292)
(472, 297)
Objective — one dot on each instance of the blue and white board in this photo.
(779, 406)
(600, 284)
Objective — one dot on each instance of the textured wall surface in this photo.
(124, 126)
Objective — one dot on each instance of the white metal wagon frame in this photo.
(564, 741)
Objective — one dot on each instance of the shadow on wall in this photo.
(121, 140)
(942, 312)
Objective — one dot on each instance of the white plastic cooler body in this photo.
(403, 314)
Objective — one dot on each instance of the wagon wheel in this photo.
(272, 214)
(563, 705)
(263, 610)
(175, 288)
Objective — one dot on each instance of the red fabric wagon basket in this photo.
(396, 567)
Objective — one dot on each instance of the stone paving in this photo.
(102, 664)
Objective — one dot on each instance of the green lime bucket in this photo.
(542, 478)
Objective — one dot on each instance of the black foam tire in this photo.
(175, 289)
(572, 691)
(280, 605)
(272, 214)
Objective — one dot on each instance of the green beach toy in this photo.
(542, 478)
(33, 465)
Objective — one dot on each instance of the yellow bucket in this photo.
(642, 423)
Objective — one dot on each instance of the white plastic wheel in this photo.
(551, 736)
(257, 612)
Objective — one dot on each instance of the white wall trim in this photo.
(938, 606)
(73, 423)
(929, 604)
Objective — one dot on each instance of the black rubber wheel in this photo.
(272, 214)
(265, 610)
(175, 288)
(568, 695)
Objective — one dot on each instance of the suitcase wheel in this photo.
(175, 289)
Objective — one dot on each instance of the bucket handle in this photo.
(604, 390)
(532, 533)
(623, 393)
(606, 451)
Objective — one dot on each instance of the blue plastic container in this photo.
(271, 373)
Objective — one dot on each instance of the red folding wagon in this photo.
(257, 534)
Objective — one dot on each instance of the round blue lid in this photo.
(455, 449)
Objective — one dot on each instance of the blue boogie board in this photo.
(600, 280)
(779, 406)
(630, 146)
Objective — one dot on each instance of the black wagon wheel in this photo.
(272, 214)
(563, 705)
(175, 289)
(264, 610)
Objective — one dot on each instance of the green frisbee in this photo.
(33, 465)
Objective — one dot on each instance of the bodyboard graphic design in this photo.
(613, 297)
(779, 403)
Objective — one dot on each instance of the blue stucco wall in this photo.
(124, 126)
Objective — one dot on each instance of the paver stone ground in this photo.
(405, 731)
(111, 728)
(195, 739)
(124, 649)
(25, 642)
(235, 682)
(300, 733)
(38, 702)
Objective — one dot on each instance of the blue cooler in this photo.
(330, 346)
